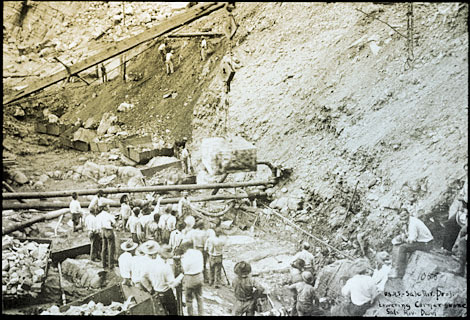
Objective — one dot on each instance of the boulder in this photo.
(113, 129)
(427, 289)
(128, 172)
(85, 135)
(135, 181)
(52, 118)
(107, 180)
(123, 107)
(19, 113)
(221, 155)
(19, 177)
(106, 121)
(90, 124)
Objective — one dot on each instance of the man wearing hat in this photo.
(94, 234)
(192, 265)
(361, 291)
(306, 256)
(171, 220)
(141, 264)
(305, 294)
(153, 231)
(125, 261)
(161, 276)
(246, 290)
(126, 211)
(453, 225)
(296, 276)
(419, 238)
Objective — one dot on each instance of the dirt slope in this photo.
(312, 95)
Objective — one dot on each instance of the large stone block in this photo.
(221, 155)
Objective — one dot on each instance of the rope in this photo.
(410, 37)
(308, 233)
(211, 214)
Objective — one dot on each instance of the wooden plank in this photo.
(122, 46)
(148, 172)
(196, 34)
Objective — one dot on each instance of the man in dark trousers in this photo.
(246, 289)
(107, 222)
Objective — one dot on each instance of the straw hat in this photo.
(165, 252)
(150, 247)
(298, 264)
(307, 276)
(129, 245)
(242, 269)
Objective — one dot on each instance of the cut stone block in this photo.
(160, 163)
(224, 156)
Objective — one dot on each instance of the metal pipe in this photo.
(54, 205)
(160, 188)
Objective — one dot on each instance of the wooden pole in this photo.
(9, 188)
(55, 205)
(43, 217)
(160, 188)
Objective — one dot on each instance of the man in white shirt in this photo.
(169, 62)
(361, 290)
(106, 221)
(306, 256)
(125, 261)
(184, 207)
(171, 221)
(126, 210)
(162, 224)
(203, 49)
(140, 265)
(160, 275)
(96, 201)
(76, 211)
(176, 236)
(94, 234)
(192, 265)
(419, 238)
(199, 236)
(162, 50)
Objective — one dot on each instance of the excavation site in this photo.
(235, 158)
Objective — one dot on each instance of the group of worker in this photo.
(167, 54)
(164, 241)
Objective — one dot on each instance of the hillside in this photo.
(321, 88)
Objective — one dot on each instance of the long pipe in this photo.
(85, 204)
(43, 217)
(161, 188)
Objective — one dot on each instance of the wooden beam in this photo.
(196, 34)
(159, 188)
(122, 46)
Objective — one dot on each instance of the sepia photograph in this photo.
(235, 158)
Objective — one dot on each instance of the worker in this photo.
(246, 290)
(152, 230)
(185, 159)
(214, 247)
(126, 210)
(76, 211)
(199, 236)
(161, 276)
(189, 222)
(192, 266)
(169, 62)
(125, 261)
(104, 76)
(132, 222)
(459, 248)
(361, 291)
(96, 201)
(295, 273)
(305, 293)
(184, 206)
(171, 221)
(453, 225)
(419, 238)
(162, 224)
(305, 255)
(228, 71)
(141, 265)
(94, 234)
(176, 236)
(107, 222)
(162, 50)
(203, 49)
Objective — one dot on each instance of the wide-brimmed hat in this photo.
(150, 247)
(298, 264)
(242, 269)
(165, 252)
(129, 245)
(307, 276)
